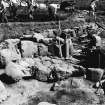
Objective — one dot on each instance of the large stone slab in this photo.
(29, 48)
(9, 51)
(41, 72)
(7, 55)
(94, 74)
(17, 71)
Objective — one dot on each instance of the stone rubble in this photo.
(34, 61)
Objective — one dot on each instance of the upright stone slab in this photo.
(94, 74)
(29, 48)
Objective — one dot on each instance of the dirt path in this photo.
(20, 92)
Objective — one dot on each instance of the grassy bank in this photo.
(17, 29)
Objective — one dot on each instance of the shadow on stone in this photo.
(6, 79)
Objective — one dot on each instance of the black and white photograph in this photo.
(52, 52)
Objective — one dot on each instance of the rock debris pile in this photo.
(42, 57)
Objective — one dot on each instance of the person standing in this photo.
(94, 45)
(94, 38)
(93, 6)
(30, 9)
(69, 49)
(3, 16)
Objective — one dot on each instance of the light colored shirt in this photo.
(93, 4)
(98, 40)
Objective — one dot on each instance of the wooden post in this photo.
(99, 60)
(60, 47)
(67, 48)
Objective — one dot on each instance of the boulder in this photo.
(45, 33)
(23, 63)
(16, 71)
(7, 55)
(3, 92)
(29, 48)
(59, 73)
(38, 36)
(41, 72)
(46, 41)
(41, 75)
(62, 72)
(30, 61)
(42, 50)
(70, 31)
(79, 71)
(94, 74)
(49, 33)
(9, 51)
(13, 45)
(64, 67)
(12, 41)
(46, 61)
(3, 45)
(45, 103)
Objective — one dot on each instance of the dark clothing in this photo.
(1, 7)
(92, 41)
(63, 35)
(3, 17)
(51, 12)
(13, 10)
(54, 75)
(30, 9)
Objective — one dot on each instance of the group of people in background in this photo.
(10, 10)
(3, 17)
(52, 11)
